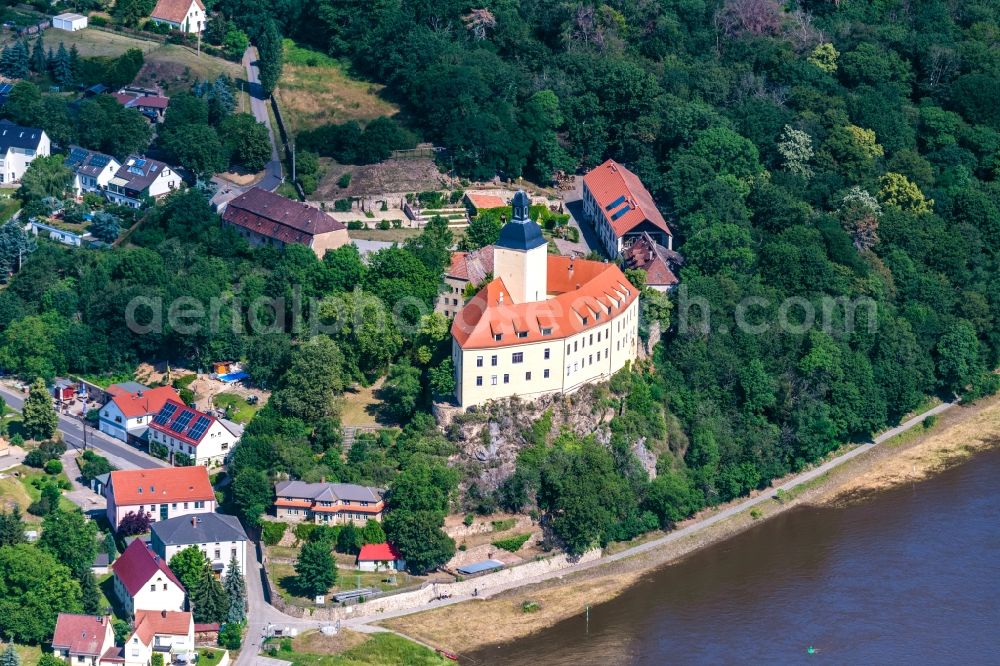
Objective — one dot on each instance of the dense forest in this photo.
(812, 151)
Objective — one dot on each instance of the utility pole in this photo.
(293, 160)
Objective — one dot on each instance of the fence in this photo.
(285, 143)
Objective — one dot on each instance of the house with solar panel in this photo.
(203, 439)
(140, 179)
(19, 146)
(92, 171)
(621, 209)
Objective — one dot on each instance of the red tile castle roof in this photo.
(276, 217)
(471, 266)
(138, 564)
(584, 290)
(623, 198)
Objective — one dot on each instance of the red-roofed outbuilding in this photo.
(621, 208)
(380, 557)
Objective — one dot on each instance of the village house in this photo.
(204, 439)
(659, 263)
(380, 557)
(19, 146)
(621, 209)
(144, 582)
(141, 178)
(92, 171)
(163, 493)
(170, 633)
(129, 412)
(265, 218)
(182, 15)
(324, 503)
(466, 268)
(545, 324)
(152, 105)
(84, 640)
(218, 536)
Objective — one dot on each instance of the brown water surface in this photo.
(907, 576)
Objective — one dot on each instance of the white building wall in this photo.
(159, 593)
(217, 552)
(210, 452)
(16, 161)
(174, 509)
(165, 183)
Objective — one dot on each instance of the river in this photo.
(906, 576)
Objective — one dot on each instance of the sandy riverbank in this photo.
(959, 433)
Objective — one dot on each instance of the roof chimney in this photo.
(163, 613)
(194, 521)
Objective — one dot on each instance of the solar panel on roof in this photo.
(182, 421)
(199, 427)
(165, 414)
(100, 161)
(617, 202)
(620, 213)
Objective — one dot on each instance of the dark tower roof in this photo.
(521, 233)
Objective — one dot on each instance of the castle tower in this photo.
(520, 256)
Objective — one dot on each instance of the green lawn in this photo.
(21, 490)
(236, 406)
(382, 649)
(348, 578)
(8, 206)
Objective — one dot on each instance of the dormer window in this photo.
(498, 337)
(585, 320)
(546, 331)
(522, 334)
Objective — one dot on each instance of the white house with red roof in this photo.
(545, 324)
(87, 640)
(204, 439)
(165, 492)
(144, 582)
(183, 15)
(170, 633)
(621, 209)
(127, 415)
(380, 557)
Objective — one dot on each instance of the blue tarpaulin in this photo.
(233, 377)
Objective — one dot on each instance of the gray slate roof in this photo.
(328, 492)
(209, 528)
(15, 136)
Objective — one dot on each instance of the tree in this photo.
(959, 362)
(209, 602)
(10, 657)
(246, 141)
(71, 538)
(105, 227)
(50, 660)
(859, 214)
(373, 532)
(236, 591)
(271, 50)
(11, 527)
(24, 104)
(402, 391)
(110, 547)
(91, 594)
(196, 147)
(15, 246)
(130, 12)
(795, 148)
(34, 589)
(40, 418)
(441, 378)
(268, 357)
(133, 523)
(45, 177)
(315, 569)
(824, 56)
(252, 494)
(900, 192)
(419, 538)
(671, 497)
(350, 540)
(62, 68)
(313, 379)
(188, 565)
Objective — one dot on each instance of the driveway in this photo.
(258, 106)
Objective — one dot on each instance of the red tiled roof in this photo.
(206, 626)
(174, 10)
(164, 484)
(165, 623)
(471, 266)
(609, 183)
(650, 256)
(80, 634)
(583, 289)
(274, 216)
(144, 403)
(379, 552)
(186, 433)
(137, 565)
(485, 201)
(115, 654)
(337, 508)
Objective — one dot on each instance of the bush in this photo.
(503, 525)
(185, 381)
(356, 225)
(326, 533)
(384, 225)
(342, 205)
(384, 207)
(286, 645)
(183, 460)
(397, 224)
(530, 606)
(53, 467)
(344, 181)
(468, 519)
(930, 421)
(271, 532)
(231, 636)
(303, 531)
(158, 450)
(35, 458)
(187, 396)
(99, 21)
(512, 544)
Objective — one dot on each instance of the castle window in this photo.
(517, 357)
(493, 360)
(493, 380)
(479, 381)
(547, 354)
(479, 361)
(545, 373)
(506, 379)
(527, 376)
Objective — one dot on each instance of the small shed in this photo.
(101, 564)
(380, 557)
(69, 22)
(485, 566)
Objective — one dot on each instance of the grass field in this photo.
(351, 649)
(359, 405)
(236, 406)
(315, 90)
(18, 490)
(91, 43)
(8, 206)
(176, 68)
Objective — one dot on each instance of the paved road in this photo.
(258, 106)
(262, 613)
(118, 452)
